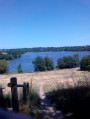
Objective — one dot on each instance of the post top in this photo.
(13, 80)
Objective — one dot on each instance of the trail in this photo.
(49, 110)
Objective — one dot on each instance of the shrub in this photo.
(77, 58)
(3, 66)
(66, 62)
(85, 63)
(43, 64)
(39, 64)
(49, 63)
(7, 56)
(19, 69)
(1, 56)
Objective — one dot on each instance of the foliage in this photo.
(19, 68)
(32, 105)
(7, 98)
(85, 63)
(1, 56)
(5, 101)
(43, 64)
(77, 58)
(8, 56)
(3, 66)
(67, 62)
(49, 63)
(73, 99)
(39, 64)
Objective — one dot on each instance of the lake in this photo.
(27, 58)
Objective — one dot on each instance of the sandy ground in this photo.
(51, 79)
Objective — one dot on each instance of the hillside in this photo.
(50, 79)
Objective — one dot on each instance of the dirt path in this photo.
(49, 110)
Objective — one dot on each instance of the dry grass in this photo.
(72, 98)
(50, 79)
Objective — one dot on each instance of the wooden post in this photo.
(14, 93)
(27, 89)
(24, 92)
(13, 84)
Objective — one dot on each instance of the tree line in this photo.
(15, 53)
(47, 64)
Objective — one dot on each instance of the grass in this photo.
(50, 80)
(74, 99)
(32, 105)
(5, 101)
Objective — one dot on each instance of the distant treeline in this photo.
(15, 53)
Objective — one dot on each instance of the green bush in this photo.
(85, 63)
(7, 56)
(43, 64)
(39, 64)
(1, 56)
(67, 62)
(19, 68)
(3, 66)
(49, 63)
(77, 58)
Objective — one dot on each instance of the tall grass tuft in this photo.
(5, 101)
(32, 105)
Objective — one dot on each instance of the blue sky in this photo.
(45, 23)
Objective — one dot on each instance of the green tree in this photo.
(7, 57)
(39, 64)
(1, 56)
(85, 63)
(43, 64)
(49, 63)
(19, 68)
(3, 66)
(66, 62)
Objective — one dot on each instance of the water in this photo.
(27, 58)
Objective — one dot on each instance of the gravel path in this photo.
(49, 110)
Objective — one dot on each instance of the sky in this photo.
(44, 23)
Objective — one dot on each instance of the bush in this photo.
(7, 56)
(19, 69)
(66, 62)
(39, 64)
(43, 64)
(49, 63)
(3, 66)
(85, 63)
(1, 56)
(77, 58)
